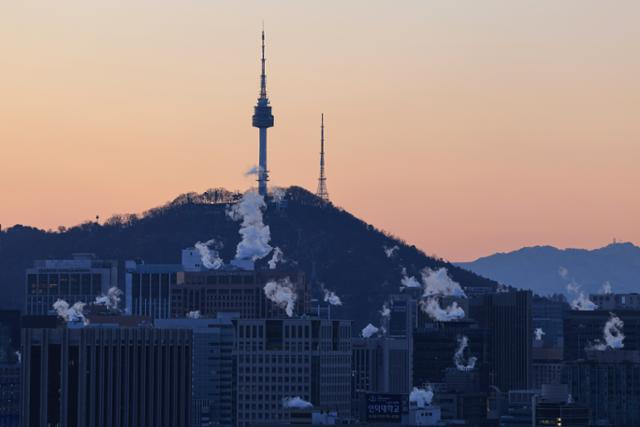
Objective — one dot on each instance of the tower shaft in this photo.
(262, 119)
(322, 181)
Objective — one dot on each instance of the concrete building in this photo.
(293, 357)
(507, 317)
(213, 369)
(381, 365)
(106, 376)
(81, 278)
(616, 302)
(172, 290)
(608, 382)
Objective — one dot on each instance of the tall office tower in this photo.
(582, 329)
(507, 318)
(434, 347)
(172, 290)
(106, 376)
(608, 382)
(277, 359)
(213, 372)
(82, 278)
(263, 120)
(322, 192)
(381, 365)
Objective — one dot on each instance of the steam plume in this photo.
(296, 402)
(408, 282)
(431, 306)
(563, 272)
(385, 311)
(369, 331)
(70, 314)
(422, 397)
(277, 257)
(194, 314)
(606, 288)
(209, 257)
(612, 334)
(111, 300)
(390, 252)
(581, 301)
(255, 235)
(278, 194)
(253, 170)
(438, 283)
(539, 333)
(458, 357)
(282, 293)
(331, 297)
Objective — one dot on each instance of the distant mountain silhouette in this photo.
(537, 268)
(329, 244)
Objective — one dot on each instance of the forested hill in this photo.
(329, 244)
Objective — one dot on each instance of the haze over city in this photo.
(464, 128)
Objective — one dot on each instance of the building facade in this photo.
(106, 376)
(81, 278)
(278, 359)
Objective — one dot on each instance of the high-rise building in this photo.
(277, 359)
(381, 365)
(82, 278)
(172, 290)
(106, 376)
(213, 369)
(508, 319)
(263, 120)
(608, 382)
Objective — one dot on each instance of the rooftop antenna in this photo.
(322, 181)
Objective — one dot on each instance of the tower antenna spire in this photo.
(262, 119)
(322, 181)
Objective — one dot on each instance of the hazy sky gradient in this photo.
(464, 127)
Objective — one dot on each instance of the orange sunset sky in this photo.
(464, 127)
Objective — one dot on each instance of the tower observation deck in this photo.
(262, 119)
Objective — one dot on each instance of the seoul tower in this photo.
(263, 119)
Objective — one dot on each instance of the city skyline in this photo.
(479, 132)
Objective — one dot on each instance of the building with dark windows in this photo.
(507, 316)
(106, 376)
(583, 328)
(81, 278)
(172, 290)
(381, 365)
(616, 302)
(213, 369)
(608, 382)
(277, 359)
(10, 394)
(435, 344)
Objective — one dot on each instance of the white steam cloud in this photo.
(282, 293)
(408, 282)
(111, 300)
(331, 297)
(74, 313)
(194, 314)
(438, 283)
(19, 356)
(385, 311)
(606, 288)
(369, 330)
(612, 334)
(255, 235)
(390, 252)
(581, 301)
(209, 256)
(296, 403)
(277, 257)
(539, 333)
(431, 306)
(278, 194)
(421, 397)
(253, 170)
(458, 357)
